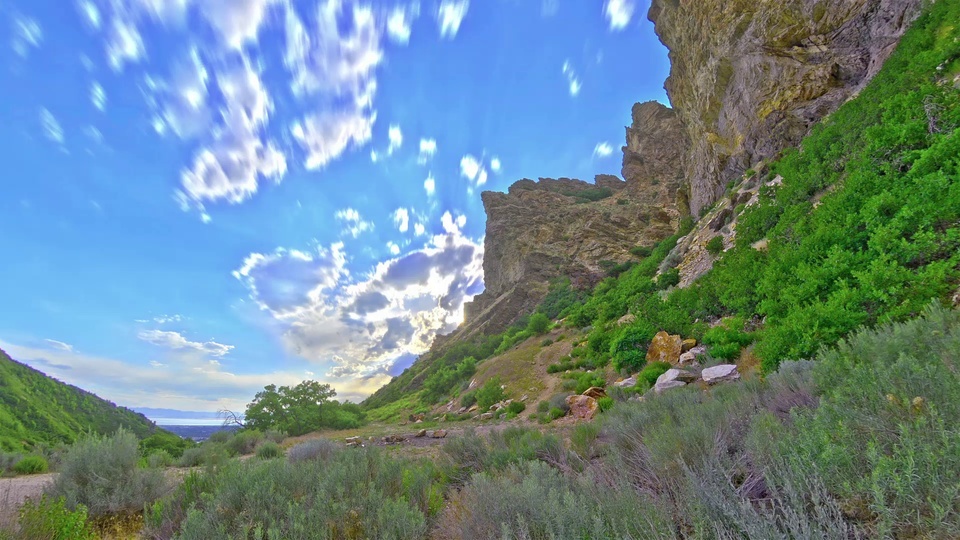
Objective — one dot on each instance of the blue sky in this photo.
(202, 197)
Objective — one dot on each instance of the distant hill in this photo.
(151, 412)
(37, 409)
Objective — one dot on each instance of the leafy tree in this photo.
(539, 324)
(295, 410)
(490, 393)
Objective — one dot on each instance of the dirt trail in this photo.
(13, 491)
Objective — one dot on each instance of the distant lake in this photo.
(187, 421)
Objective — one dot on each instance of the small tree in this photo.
(539, 324)
(295, 410)
(490, 393)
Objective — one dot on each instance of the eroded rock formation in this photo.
(750, 77)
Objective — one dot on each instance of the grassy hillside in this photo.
(863, 229)
(36, 409)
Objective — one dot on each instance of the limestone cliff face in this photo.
(749, 77)
(540, 230)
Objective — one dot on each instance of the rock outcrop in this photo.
(749, 78)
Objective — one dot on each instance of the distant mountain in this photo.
(39, 410)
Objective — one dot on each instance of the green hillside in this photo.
(36, 409)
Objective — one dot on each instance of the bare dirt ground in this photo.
(13, 491)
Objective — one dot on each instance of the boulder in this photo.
(473, 408)
(461, 410)
(353, 441)
(524, 398)
(394, 439)
(486, 416)
(626, 383)
(668, 385)
(421, 433)
(439, 434)
(582, 407)
(688, 358)
(595, 392)
(665, 348)
(688, 344)
(721, 373)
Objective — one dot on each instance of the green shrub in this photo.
(50, 519)
(468, 399)
(101, 473)
(274, 435)
(158, 459)
(557, 412)
(166, 441)
(314, 449)
(670, 278)
(539, 324)
(192, 457)
(221, 436)
(583, 439)
(546, 343)
(516, 407)
(605, 403)
(269, 450)
(715, 245)
(641, 251)
(490, 393)
(652, 372)
(543, 406)
(31, 465)
(629, 346)
(244, 442)
(726, 340)
(580, 382)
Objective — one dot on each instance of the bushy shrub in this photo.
(543, 406)
(539, 324)
(605, 403)
(629, 346)
(192, 457)
(470, 453)
(557, 412)
(314, 449)
(101, 474)
(357, 494)
(490, 393)
(546, 343)
(220, 436)
(559, 401)
(641, 251)
(31, 465)
(274, 435)
(269, 450)
(468, 399)
(652, 372)
(532, 500)
(715, 245)
(50, 519)
(516, 407)
(158, 459)
(580, 382)
(726, 340)
(244, 442)
(166, 441)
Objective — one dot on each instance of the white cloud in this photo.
(495, 164)
(27, 34)
(419, 229)
(51, 126)
(358, 328)
(602, 150)
(124, 44)
(473, 170)
(90, 13)
(236, 21)
(430, 185)
(185, 108)
(176, 341)
(449, 16)
(401, 216)
(231, 166)
(326, 135)
(394, 248)
(573, 82)
(59, 345)
(164, 319)
(428, 149)
(396, 139)
(352, 222)
(453, 225)
(619, 13)
(399, 21)
(335, 62)
(98, 96)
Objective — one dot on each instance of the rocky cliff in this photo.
(749, 77)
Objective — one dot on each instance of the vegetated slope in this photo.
(37, 409)
(859, 226)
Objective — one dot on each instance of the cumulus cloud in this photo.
(401, 216)
(618, 13)
(473, 170)
(176, 341)
(394, 249)
(357, 328)
(399, 21)
(419, 229)
(98, 96)
(334, 62)
(27, 35)
(51, 126)
(124, 44)
(430, 185)
(283, 281)
(573, 82)
(396, 138)
(231, 167)
(495, 164)
(236, 21)
(352, 222)
(185, 108)
(449, 16)
(428, 149)
(602, 150)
